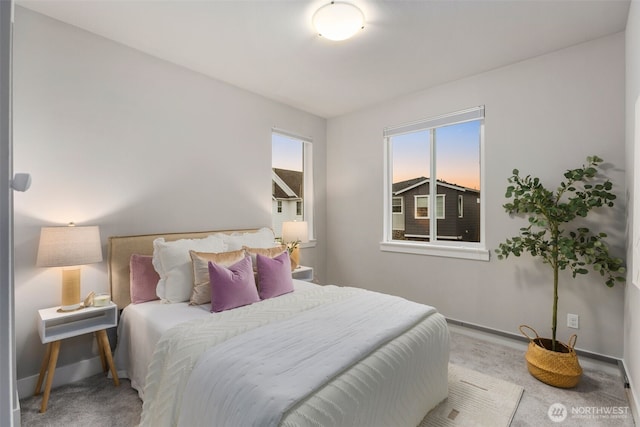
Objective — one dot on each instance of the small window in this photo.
(398, 206)
(291, 180)
(460, 206)
(422, 207)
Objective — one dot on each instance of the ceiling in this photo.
(269, 46)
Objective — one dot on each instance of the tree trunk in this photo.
(554, 323)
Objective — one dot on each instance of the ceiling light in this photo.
(338, 20)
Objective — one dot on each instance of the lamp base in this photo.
(295, 258)
(70, 289)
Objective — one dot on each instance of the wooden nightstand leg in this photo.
(51, 369)
(43, 369)
(102, 336)
(101, 352)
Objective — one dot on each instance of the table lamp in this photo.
(69, 247)
(294, 233)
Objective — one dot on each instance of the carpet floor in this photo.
(95, 402)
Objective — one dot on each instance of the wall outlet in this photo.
(573, 321)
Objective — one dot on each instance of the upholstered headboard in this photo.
(122, 247)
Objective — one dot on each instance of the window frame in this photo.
(453, 249)
(307, 177)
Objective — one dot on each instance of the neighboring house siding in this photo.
(469, 224)
(452, 227)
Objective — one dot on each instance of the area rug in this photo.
(475, 400)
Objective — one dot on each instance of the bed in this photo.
(320, 355)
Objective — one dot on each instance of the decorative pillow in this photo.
(270, 252)
(232, 286)
(201, 293)
(143, 279)
(173, 263)
(263, 238)
(274, 275)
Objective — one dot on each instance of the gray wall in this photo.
(632, 300)
(119, 139)
(543, 116)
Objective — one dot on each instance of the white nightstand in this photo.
(303, 273)
(54, 326)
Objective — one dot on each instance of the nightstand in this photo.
(303, 273)
(55, 325)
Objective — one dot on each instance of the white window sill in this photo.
(473, 253)
(309, 244)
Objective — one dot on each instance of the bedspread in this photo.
(180, 347)
(252, 379)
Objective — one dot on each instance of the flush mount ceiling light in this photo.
(338, 20)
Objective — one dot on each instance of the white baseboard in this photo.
(63, 375)
(16, 411)
(633, 397)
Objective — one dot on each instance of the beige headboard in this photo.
(122, 247)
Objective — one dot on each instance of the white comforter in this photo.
(395, 385)
(252, 379)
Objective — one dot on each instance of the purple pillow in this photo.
(143, 279)
(232, 286)
(274, 275)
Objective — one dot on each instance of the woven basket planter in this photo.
(558, 368)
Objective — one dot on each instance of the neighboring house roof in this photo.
(403, 186)
(287, 184)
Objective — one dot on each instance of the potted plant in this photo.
(551, 238)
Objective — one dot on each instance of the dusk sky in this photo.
(286, 153)
(457, 154)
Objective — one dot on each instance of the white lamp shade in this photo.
(293, 231)
(338, 21)
(66, 246)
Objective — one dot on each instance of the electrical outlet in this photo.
(573, 321)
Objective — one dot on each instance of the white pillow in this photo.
(263, 238)
(173, 264)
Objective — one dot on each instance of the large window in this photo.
(443, 156)
(291, 180)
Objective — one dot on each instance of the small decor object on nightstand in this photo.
(101, 300)
(69, 247)
(293, 234)
(88, 301)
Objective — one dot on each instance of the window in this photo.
(291, 180)
(422, 207)
(397, 205)
(442, 156)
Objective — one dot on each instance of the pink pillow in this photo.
(274, 275)
(232, 286)
(143, 279)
